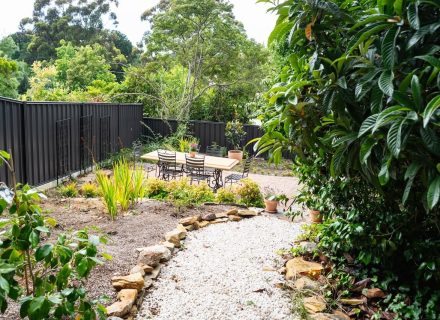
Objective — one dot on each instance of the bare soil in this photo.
(143, 225)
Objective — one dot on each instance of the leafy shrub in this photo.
(249, 193)
(46, 278)
(179, 193)
(225, 195)
(89, 190)
(201, 193)
(69, 190)
(235, 133)
(156, 189)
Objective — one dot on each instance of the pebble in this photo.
(219, 271)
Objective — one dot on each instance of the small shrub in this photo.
(108, 191)
(69, 190)
(179, 193)
(89, 190)
(225, 195)
(122, 176)
(249, 193)
(156, 189)
(201, 193)
(138, 185)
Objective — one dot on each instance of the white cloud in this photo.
(257, 22)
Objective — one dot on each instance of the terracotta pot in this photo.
(271, 206)
(192, 154)
(315, 216)
(235, 154)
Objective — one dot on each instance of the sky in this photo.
(257, 22)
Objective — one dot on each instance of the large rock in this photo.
(132, 281)
(189, 220)
(126, 299)
(231, 212)
(234, 218)
(209, 217)
(169, 245)
(222, 220)
(314, 304)
(247, 213)
(183, 232)
(173, 237)
(153, 255)
(299, 267)
(137, 269)
(305, 283)
(221, 215)
(203, 224)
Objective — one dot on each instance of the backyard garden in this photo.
(294, 180)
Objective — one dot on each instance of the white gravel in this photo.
(219, 274)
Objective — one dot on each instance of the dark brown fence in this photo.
(206, 131)
(53, 139)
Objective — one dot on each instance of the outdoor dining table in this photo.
(218, 164)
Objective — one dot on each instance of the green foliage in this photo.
(108, 191)
(69, 190)
(45, 277)
(89, 190)
(225, 195)
(156, 189)
(357, 102)
(235, 133)
(249, 193)
(124, 188)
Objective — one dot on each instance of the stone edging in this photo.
(133, 287)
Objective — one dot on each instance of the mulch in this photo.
(142, 226)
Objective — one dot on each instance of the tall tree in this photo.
(77, 21)
(205, 39)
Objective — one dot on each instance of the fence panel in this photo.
(49, 139)
(206, 131)
(11, 137)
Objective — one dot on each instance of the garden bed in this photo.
(143, 225)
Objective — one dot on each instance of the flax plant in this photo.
(108, 190)
(123, 182)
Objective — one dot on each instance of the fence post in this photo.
(23, 155)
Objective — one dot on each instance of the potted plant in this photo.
(271, 200)
(193, 149)
(234, 135)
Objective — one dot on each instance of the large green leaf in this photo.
(390, 115)
(410, 174)
(432, 106)
(386, 82)
(433, 194)
(419, 34)
(368, 124)
(366, 33)
(431, 60)
(413, 15)
(43, 251)
(431, 140)
(279, 31)
(366, 148)
(394, 138)
(389, 48)
(416, 91)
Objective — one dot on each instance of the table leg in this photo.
(218, 179)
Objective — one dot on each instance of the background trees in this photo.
(196, 60)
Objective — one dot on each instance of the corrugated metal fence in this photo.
(206, 131)
(52, 139)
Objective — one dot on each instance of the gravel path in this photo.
(221, 274)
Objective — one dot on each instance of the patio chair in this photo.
(236, 177)
(195, 169)
(167, 165)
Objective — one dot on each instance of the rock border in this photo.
(133, 287)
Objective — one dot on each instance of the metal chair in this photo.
(236, 177)
(195, 169)
(137, 150)
(167, 165)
